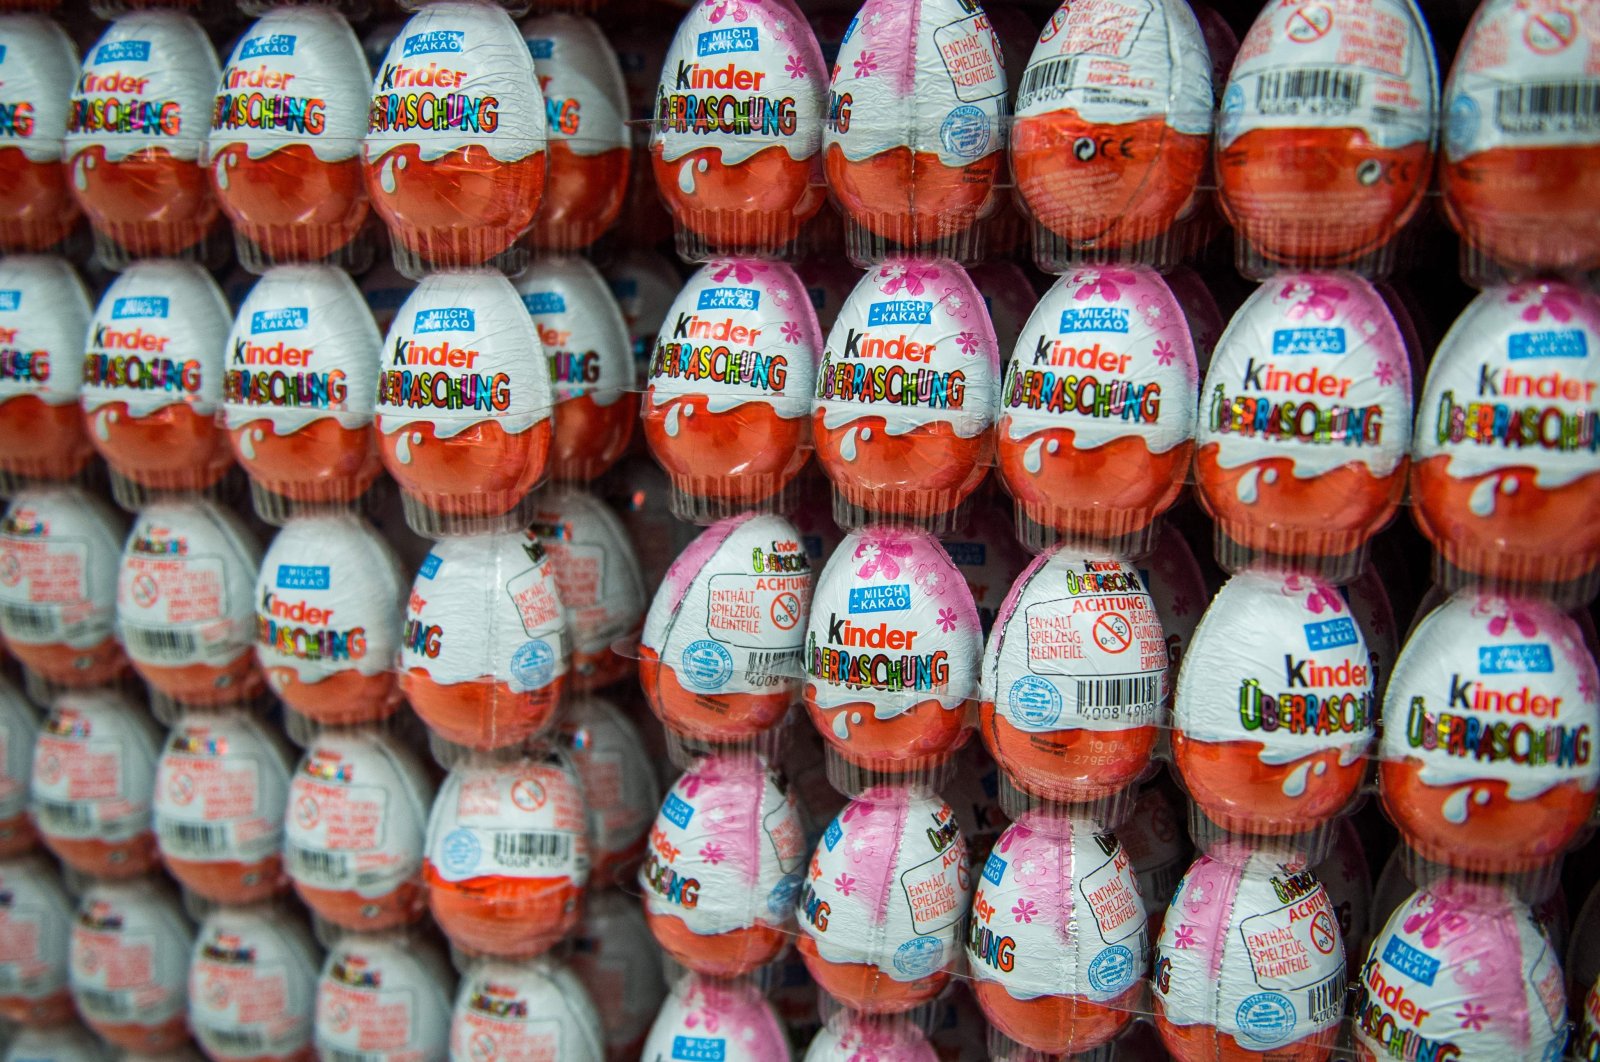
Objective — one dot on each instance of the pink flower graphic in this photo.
(1106, 283)
(1314, 296)
(968, 342)
(796, 67)
(947, 619)
(713, 853)
(1473, 1016)
(1181, 604)
(1319, 596)
(742, 270)
(1385, 373)
(866, 64)
(733, 9)
(1554, 303)
(1512, 617)
(1152, 310)
(845, 884)
(898, 276)
(705, 1018)
(1025, 910)
(1184, 938)
(882, 557)
(780, 32)
(1164, 353)
(930, 579)
(1438, 920)
(791, 332)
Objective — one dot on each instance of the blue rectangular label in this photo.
(541, 47)
(139, 306)
(900, 312)
(303, 576)
(677, 811)
(2, 53)
(273, 44)
(284, 319)
(968, 554)
(545, 302)
(994, 869)
(1308, 341)
(729, 299)
(729, 40)
(699, 1049)
(123, 52)
(1562, 343)
(430, 566)
(832, 835)
(10, 300)
(1330, 634)
(1515, 659)
(433, 41)
(1094, 319)
(895, 597)
(447, 319)
(1415, 964)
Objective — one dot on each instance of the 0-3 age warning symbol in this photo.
(1310, 23)
(786, 611)
(1112, 632)
(1323, 937)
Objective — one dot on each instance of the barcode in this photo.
(1326, 1001)
(310, 864)
(231, 1040)
(28, 621)
(1045, 81)
(159, 643)
(1287, 89)
(100, 1003)
(1116, 698)
(192, 838)
(62, 816)
(523, 850)
(766, 669)
(1548, 107)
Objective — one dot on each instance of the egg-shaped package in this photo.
(1344, 872)
(136, 135)
(298, 390)
(1250, 964)
(619, 784)
(713, 1018)
(1368, 596)
(720, 658)
(285, 143)
(892, 652)
(464, 401)
(644, 283)
(723, 866)
(989, 558)
(37, 922)
(884, 906)
(1072, 714)
(455, 146)
(329, 618)
(92, 788)
(586, 111)
(185, 602)
(385, 997)
(59, 549)
(903, 422)
(729, 386)
(618, 962)
(1461, 971)
(354, 831)
(525, 1010)
(19, 730)
(1487, 753)
(1200, 310)
(737, 125)
(44, 315)
(591, 364)
(1305, 420)
(1274, 711)
(915, 133)
(1056, 942)
(1504, 478)
(501, 682)
(1113, 124)
(849, 1037)
(597, 573)
(1178, 587)
(252, 985)
(508, 853)
(130, 964)
(1157, 844)
(1354, 86)
(221, 789)
(37, 210)
(1097, 406)
(58, 1043)
(152, 377)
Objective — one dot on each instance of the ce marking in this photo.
(1088, 147)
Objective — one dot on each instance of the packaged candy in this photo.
(1305, 422)
(252, 986)
(59, 549)
(1177, 586)
(916, 124)
(591, 366)
(130, 964)
(185, 605)
(1370, 605)
(1057, 941)
(1274, 710)
(619, 964)
(93, 781)
(1352, 85)
(136, 136)
(508, 853)
(1487, 757)
(892, 652)
(36, 922)
(1200, 310)
(721, 654)
(1095, 433)
(464, 403)
(711, 1017)
(456, 177)
(1072, 714)
(222, 785)
(484, 655)
(353, 836)
(36, 209)
(898, 440)
(644, 284)
(285, 158)
(848, 1037)
(989, 559)
(298, 390)
(1007, 294)
(19, 730)
(882, 911)
(1346, 876)
(586, 109)
(1250, 964)
(1462, 971)
(524, 1010)
(974, 791)
(737, 126)
(44, 316)
(1508, 425)
(619, 784)
(1113, 127)
(152, 380)
(329, 618)
(1157, 845)
(729, 387)
(724, 866)
(384, 997)
(61, 1043)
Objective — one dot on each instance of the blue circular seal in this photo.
(707, 664)
(1111, 970)
(965, 131)
(919, 956)
(532, 664)
(1035, 701)
(461, 851)
(1461, 125)
(1266, 1017)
